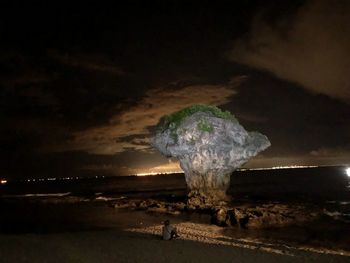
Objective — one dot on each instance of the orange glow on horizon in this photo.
(158, 173)
(163, 171)
(168, 168)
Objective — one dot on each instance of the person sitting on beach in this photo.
(169, 231)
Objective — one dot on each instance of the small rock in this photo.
(180, 206)
(121, 206)
(220, 217)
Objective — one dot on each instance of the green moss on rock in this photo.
(174, 120)
(205, 126)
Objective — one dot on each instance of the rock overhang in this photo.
(209, 144)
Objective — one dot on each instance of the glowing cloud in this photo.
(137, 119)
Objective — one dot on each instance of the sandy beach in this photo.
(104, 234)
(142, 245)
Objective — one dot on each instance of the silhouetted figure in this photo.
(169, 231)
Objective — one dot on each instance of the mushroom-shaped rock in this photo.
(210, 144)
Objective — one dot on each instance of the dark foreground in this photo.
(82, 226)
(53, 231)
(123, 246)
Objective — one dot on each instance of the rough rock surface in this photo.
(150, 205)
(209, 149)
(264, 216)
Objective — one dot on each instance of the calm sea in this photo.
(328, 187)
(321, 184)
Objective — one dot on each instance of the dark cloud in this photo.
(296, 121)
(310, 48)
(89, 62)
(31, 83)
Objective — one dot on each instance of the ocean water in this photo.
(60, 208)
(315, 183)
(302, 184)
(326, 185)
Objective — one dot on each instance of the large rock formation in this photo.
(210, 145)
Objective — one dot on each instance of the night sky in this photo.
(82, 85)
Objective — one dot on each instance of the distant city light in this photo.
(158, 173)
(3, 181)
(279, 167)
(59, 178)
(348, 171)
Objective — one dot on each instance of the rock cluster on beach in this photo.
(150, 205)
(210, 145)
(268, 215)
(253, 216)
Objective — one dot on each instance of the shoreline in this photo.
(97, 230)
